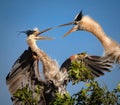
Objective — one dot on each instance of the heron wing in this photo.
(94, 63)
(24, 72)
(66, 64)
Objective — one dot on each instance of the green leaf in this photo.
(78, 72)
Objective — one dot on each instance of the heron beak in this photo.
(75, 28)
(70, 23)
(43, 38)
(45, 30)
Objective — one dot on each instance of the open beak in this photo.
(67, 24)
(45, 30)
(75, 28)
(77, 18)
(70, 23)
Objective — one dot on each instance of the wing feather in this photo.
(94, 63)
(24, 72)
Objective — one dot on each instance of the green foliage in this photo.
(78, 72)
(92, 94)
(27, 96)
(62, 99)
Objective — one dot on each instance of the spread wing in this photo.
(24, 72)
(95, 64)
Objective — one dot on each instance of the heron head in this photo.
(76, 22)
(35, 31)
(28, 32)
(83, 23)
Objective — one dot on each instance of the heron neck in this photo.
(50, 66)
(97, 30)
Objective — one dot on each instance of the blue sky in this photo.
(20, 15)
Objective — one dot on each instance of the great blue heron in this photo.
(25, 70)
(85, 23)
(27, 61)
(50, 66)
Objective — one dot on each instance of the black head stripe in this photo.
(78, 16)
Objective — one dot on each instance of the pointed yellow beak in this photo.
(75, 28)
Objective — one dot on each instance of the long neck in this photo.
(93, 27)
(50, 67)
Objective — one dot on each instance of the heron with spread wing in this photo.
(25, 71)
(86, 23)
